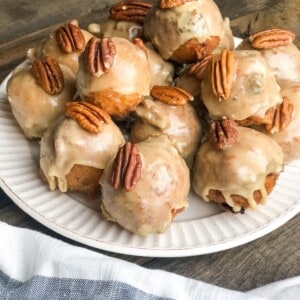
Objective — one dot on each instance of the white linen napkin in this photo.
(36, 266)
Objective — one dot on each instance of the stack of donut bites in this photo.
(156, 101)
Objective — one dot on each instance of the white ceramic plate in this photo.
(203, 228)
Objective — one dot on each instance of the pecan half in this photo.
(258, 120)
(199, 67)
(282, 116)
(100, 55)
(127, 167)
(223, 133)
(192, 50)
(48, 74)
(70, 38)
(222, 75)
(172, 3)
(87, 115)
(271, 38)
(138, 42)
(131, 11)
(171, 95)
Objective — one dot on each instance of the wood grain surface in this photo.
(283, 14)
(276, 256)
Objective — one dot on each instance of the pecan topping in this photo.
(48, 74)
(172, 3)
(131, 11)
(282, 116)
(199, 67)
(222, 74)
(87, 115)
(171, 95)
(127, 167)
(100, 55)
(70, 38)
(223, 133)
(271, 38)
(138, 42)
(192, 50)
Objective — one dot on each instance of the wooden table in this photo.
(276, 256)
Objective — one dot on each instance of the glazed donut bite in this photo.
(76, 149)
(145, 186)
(281, 54)
(65, 45)
(240, 85)
(237, 167)
(178, 121)
(187, 31)
(114, 74)
(37, 94)
(126, 20)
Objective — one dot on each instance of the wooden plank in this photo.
(282, 14)
(19, 18)
(16, 48)
(234, 9)
(12, 215)
(4, 199)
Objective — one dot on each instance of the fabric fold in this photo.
(36, 266)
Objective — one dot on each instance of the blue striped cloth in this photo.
(34, 266)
